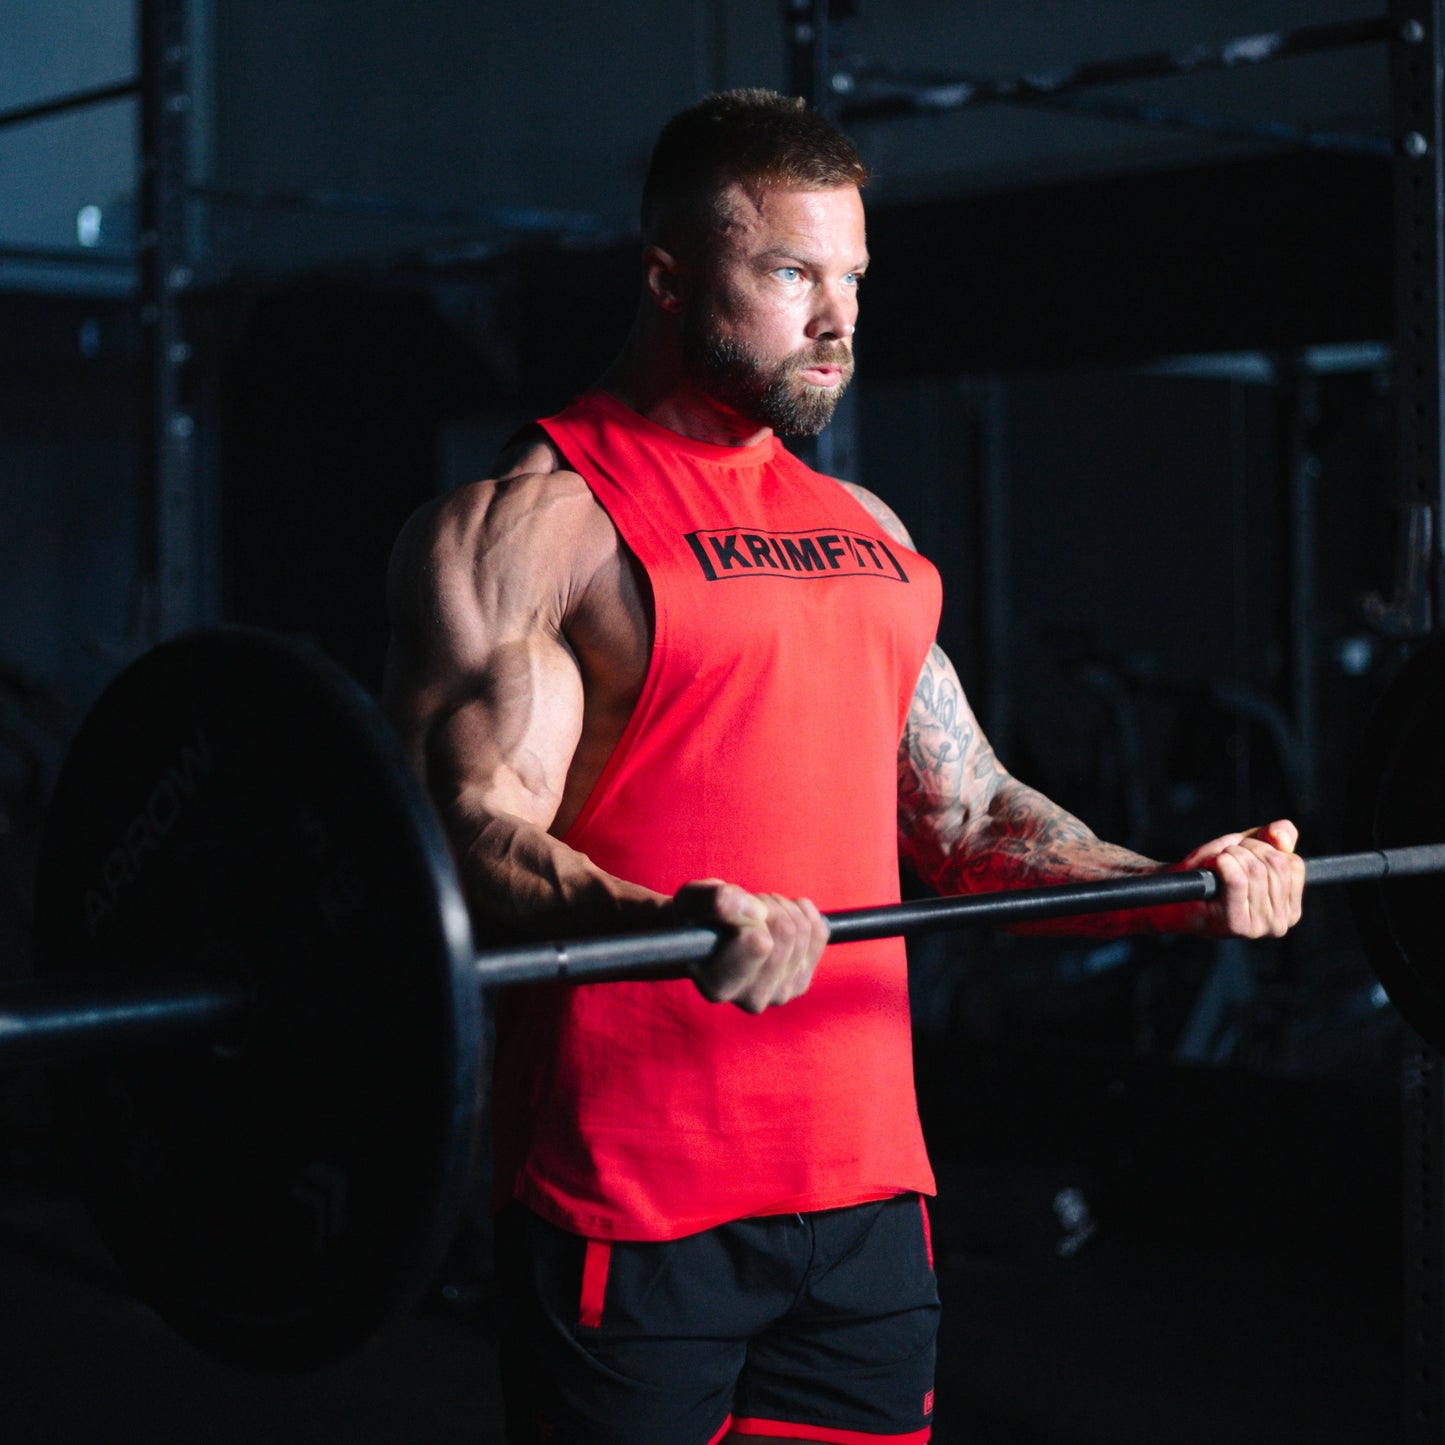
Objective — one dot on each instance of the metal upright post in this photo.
(808, 28)
(1299, 407)
(809, 31)
(171, 545)
(1424, 1233)
(991, 559)
(1415, 89)
(1418, 29)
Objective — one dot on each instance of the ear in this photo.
(663, 274)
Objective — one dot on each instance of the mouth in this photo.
(824, 376)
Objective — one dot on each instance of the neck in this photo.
(648, 376)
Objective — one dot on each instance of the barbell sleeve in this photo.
(87, 1014)
(628, 954)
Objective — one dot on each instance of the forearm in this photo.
(527, 884)
(1024, 840)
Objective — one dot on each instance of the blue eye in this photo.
(788, 273)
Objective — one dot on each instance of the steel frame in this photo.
(172, 545)
(1417, 86)
(1415, 30)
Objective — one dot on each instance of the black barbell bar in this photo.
(606, 957)
(85, 1015)
(73, 1018)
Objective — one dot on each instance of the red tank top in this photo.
(790, 633)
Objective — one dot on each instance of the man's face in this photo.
(768, 330)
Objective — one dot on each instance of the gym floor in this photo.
(1127, 1341)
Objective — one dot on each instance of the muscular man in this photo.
(657, 670)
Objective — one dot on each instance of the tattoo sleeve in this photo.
(966, 825)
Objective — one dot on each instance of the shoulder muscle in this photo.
(530, 451)
(498, 556)
(881, 513)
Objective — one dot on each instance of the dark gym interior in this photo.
(1133, 358)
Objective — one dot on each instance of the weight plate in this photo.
(236, 801)
(1397, 799)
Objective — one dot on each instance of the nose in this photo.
(835, 314)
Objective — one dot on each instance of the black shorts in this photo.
(814, 1325)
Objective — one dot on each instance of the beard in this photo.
(769, 394)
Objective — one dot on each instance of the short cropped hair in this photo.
(738, 135)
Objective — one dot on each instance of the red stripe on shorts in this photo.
(786, 1430)
(594, 1283)
(927, 1230)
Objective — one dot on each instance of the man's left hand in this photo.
(1261, 882)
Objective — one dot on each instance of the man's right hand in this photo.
(768, 957)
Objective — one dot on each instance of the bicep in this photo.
(503, 740)
(948, 774)
(483, 690)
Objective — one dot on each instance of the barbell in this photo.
(250, 936)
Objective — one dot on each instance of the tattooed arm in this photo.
(967, 825)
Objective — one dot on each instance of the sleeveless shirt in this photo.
(790, 631)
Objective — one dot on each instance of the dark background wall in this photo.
(1130, 389)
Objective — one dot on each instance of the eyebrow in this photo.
(787, 253)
